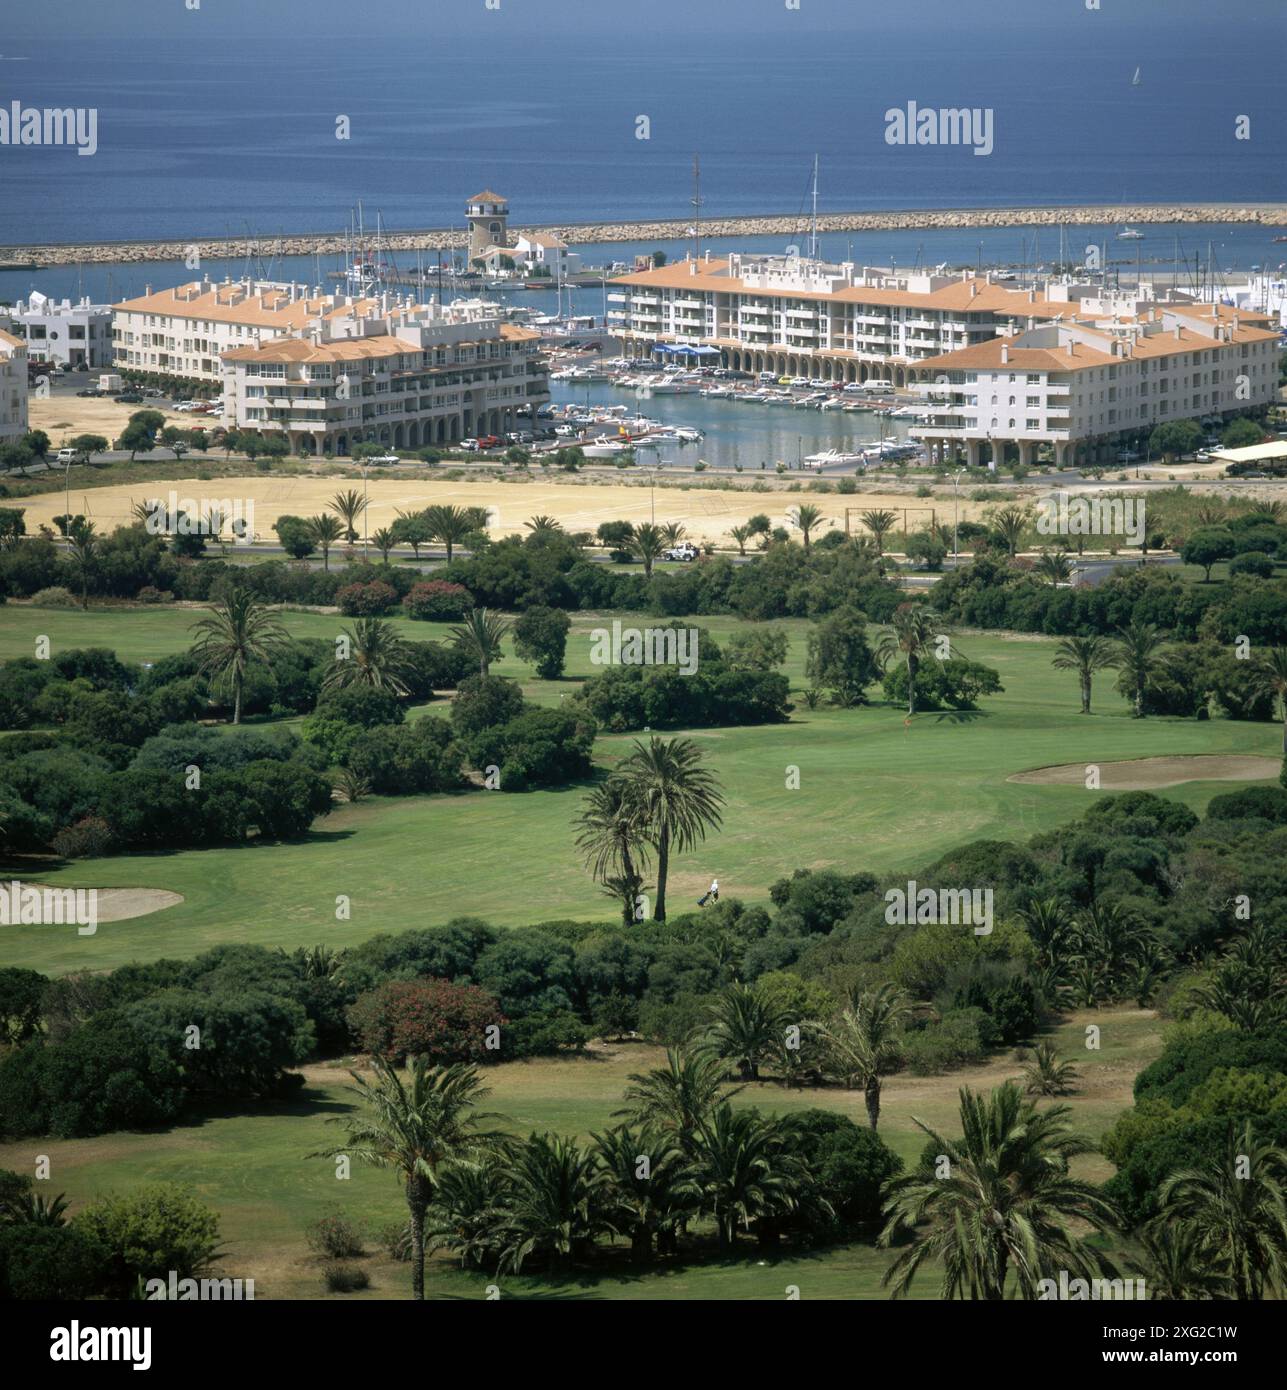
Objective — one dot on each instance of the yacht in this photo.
(1130, 234)
(833, 457)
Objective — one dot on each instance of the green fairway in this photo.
(873, 794)
(251, 1167)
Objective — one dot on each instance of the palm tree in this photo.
(678, 800)
(450, 525)
(677, 1099)
(377, 658)
(611, 838)
(673, 532)
(1135, 654)
(1237, 1206)
(539, 525)
(479, 637)
(647, 542)
(349, 506)
(1271, 512)
(465, 1213)
(861, 1043)
(805, 518)
(999, 1211)
(651, 1189)
(744, 1026)
(324, 531)
(83, 543)
(1046, 1075)
(880, 524)
(555, 1203)
(1269, 677)
(1085, 655)
(746, 1170)
(1054, 566)
(913, 627)
(238, 631)
(741, 534)
(414, 1127)
(384, 540)
(1009, 524)
(1175, 1263)
(1049, 925)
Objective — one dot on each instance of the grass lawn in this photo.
(251, 1167)
(874, 794)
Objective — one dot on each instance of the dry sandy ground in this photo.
(62, 418)
(578, 506)
(1146, 774)
(117, 904)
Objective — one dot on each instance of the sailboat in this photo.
(1135, 81)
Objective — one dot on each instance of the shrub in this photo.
(345, 1278)
(483, 702)
(149, 593)
(395, 1240)
(146, 1233)
(1252, 803)
(540, 748)
(335, 1236)
(48, 1263)
(437, 1019)
(1253, 562)
(89, 838)
(366, 600)
(541, 636)
(437, 601)
(55, 597)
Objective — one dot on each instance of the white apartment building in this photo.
(60, 332)
(541, 252)
(405, 376)
(13, 388)
(1083, 384)
(184, 331)
(800, 317)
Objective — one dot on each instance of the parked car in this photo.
(489, 441)
(128, 398)
(91, 391)
(684, 551)
(470, 446)
(385, 458)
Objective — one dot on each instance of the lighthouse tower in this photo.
(488, 216)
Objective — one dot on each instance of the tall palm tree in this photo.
(647, 542)
(1009, 524)
(999, 1210)
(679, 1098)
(239, 630)
(479, 637)
(1269, 676)
(83, 543)
(542, 525)
(673, 532)
(744, 1026)
(913, 627)
(678, 801)
(378, 657)
(1085, 655)
(880, 524)
(651, 1189)
(1049, 925)
(805, 518)
(746, 1170)
(555, 1203)
(1054, 566)
(414, 1127)
(324, 531)
(1237, 1205)
(1135, 654)
(741, 534)
(610, 836)
(861, 1043)
(349, 506)
(450, 525)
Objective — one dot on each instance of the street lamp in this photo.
(956, 548)
(366, 523)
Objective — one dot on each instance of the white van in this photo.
(66, 455)
(878, 386)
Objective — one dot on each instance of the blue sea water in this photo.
(224, 133)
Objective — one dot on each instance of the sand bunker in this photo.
(1147, 774)
(117, 904)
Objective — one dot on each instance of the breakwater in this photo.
(581, 233)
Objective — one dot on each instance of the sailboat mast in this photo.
(697, 208)
(813, 234)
